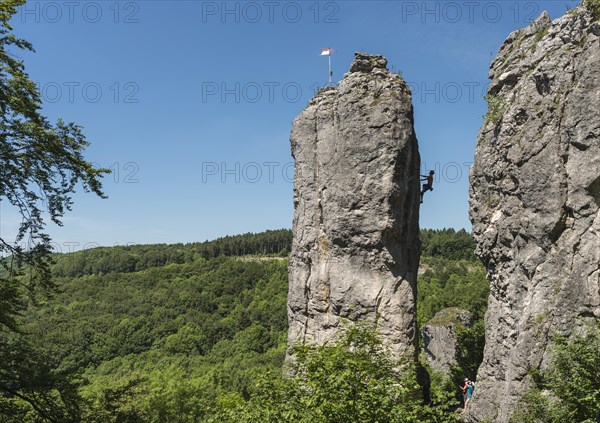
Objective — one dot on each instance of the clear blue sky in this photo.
(191, 102)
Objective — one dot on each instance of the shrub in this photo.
(496, 108)
(570, 389)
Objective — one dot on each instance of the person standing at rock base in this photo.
(463, 389)
(470, 389)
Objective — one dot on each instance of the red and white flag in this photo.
(326, 51)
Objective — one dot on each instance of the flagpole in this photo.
(330, 73)
(328, 52)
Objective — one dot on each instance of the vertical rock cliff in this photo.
(355, 251)
(535, 201)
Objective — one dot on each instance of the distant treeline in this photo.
(269, 242)
(133, 258)
(444, 243)
(448, 244)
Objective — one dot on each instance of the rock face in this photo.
(535, 201)
(355, 247)
(439, 337)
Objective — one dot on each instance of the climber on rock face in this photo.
(429, 185)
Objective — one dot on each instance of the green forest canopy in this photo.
(169, 332)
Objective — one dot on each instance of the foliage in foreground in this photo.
(353, 380)
(41, 166)
(570, 390)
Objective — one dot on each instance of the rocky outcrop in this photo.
(535, 201)
(355, 247)
(439, 337)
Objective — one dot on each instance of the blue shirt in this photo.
(470, 390)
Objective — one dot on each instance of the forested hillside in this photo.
(133, 258)
(175, 333)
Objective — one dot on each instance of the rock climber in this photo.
(429, 185)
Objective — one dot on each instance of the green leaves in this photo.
(41, 165)
(594, 7)
(453, 278)
(496, 108)
(570, 389)
(447, 244)
(163, 344)
(354, 379)
(32, 386)
(573, 377)
(163, 334)
(447, 283)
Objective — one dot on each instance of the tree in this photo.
(32, 387)
(353, 380)
(41, 165)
